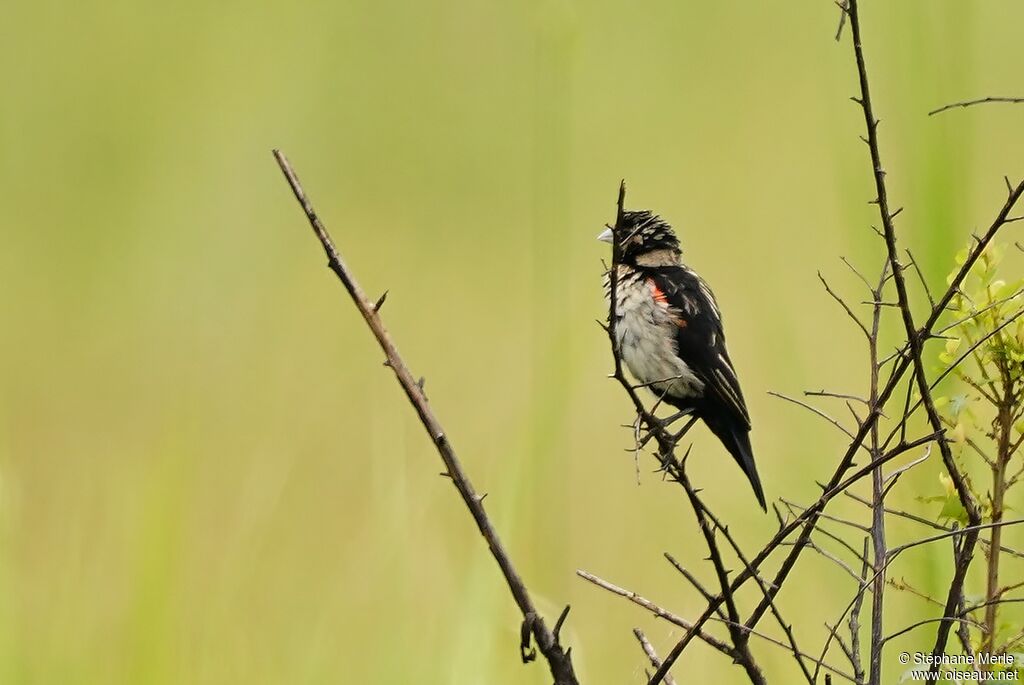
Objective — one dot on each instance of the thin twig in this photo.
(812, 409)
(838, 395)
(842, 19)
(652, 655)
(979, 101)
(658, 611)
(842, 303)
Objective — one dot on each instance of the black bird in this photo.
(669, 331)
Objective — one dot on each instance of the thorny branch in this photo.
(559, 658)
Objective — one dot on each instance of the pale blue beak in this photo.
(606, 236)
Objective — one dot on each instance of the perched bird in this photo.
(669, 332)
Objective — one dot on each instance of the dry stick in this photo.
(793, 506)
(968, 103)
(858, 666)
(559, 659)
(651, 654)
(878, 541)
(842, 19)
(824, 553)
(843, 543)
(658, 612)
(846, 307)
(814, 410)
(904, 586)
(915, 343)
(837, 395)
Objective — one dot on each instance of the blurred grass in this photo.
(205, 475)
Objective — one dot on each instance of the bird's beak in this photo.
(606, 236)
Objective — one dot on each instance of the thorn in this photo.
(480, 498)
(895, 214)
(864, 140)
(560, 621)
(445, 474)
(380, 301)
(1009, 186)
(387, 362)
(857, 100)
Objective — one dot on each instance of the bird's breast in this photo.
(645, 327)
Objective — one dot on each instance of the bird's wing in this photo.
(700, 340)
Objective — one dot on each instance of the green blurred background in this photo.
(206, 475)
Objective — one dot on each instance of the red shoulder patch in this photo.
(659, 296)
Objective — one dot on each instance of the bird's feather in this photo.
(700, 339)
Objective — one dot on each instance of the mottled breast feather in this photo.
(645, 329)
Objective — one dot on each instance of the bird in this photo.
(669, 333)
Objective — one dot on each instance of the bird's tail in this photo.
(736, 439)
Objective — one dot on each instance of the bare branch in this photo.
(559, 659)
(651, 654)
(813, 410)
(842, 19)
(979, 101)
(658, 611)
(837, 395)
(842, 303)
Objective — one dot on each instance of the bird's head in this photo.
(645, 239)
